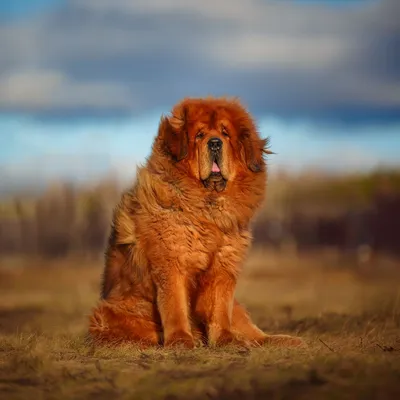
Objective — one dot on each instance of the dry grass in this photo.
(349, 318)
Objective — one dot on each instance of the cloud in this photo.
(292, 59)
(258, 50)
(36, 90)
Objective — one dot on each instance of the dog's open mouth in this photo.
(215, 173)
(215, 168)
(215, 181)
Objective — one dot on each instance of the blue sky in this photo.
(83, 82)
(19, 8)
(89, 150)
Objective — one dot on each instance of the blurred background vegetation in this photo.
(354, 215)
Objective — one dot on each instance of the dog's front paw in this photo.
(180, 339)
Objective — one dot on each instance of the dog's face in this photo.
(214, 140)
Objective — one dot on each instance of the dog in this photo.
(181, 233)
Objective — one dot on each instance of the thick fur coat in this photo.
(180, 235)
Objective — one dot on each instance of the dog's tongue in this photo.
(215, 167)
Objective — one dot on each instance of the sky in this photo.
(83, 83)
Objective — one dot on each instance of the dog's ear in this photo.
(254, 148)
(173, 134)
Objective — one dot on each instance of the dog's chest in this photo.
(201, 241)
(199, 234)
(205, 240)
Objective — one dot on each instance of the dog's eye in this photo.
(200, 135)
(225, 132)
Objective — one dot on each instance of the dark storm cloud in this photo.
(115, 57)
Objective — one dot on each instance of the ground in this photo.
(349, 316)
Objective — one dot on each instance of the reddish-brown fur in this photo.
(178, 240)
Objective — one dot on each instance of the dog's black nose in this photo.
(215, 144)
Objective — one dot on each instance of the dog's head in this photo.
(214, 140)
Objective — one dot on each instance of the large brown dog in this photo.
(180, 235)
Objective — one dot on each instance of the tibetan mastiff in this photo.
(180, 235)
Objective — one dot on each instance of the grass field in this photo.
(349, 317)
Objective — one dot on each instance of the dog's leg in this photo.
(173, 306)
(244, 328)
(214, 306)
(125, 321)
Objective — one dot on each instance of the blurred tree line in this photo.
(61, 221)
(351, 214)
(308, 212)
